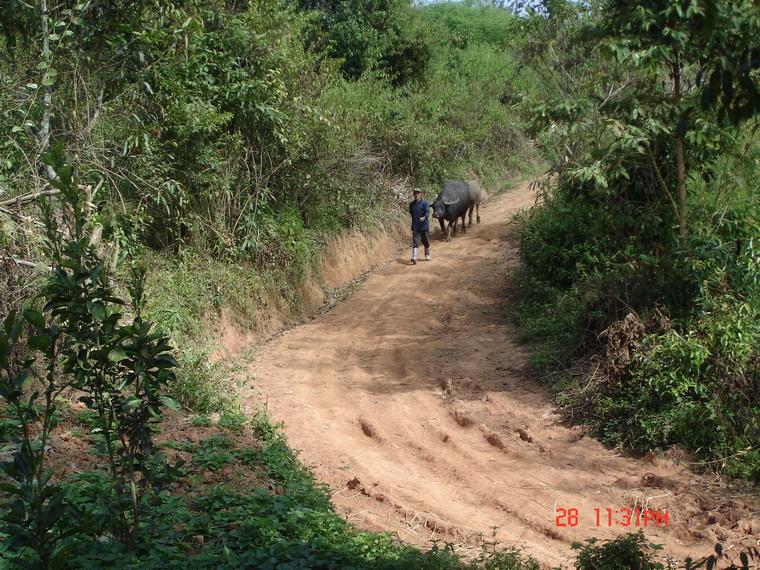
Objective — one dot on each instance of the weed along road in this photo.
(413, 401)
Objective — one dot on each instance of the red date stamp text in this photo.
(622, 517)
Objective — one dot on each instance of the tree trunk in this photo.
(682, 211)
(683, 231)
(47, 97)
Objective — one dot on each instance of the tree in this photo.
(367, 34)
(69, 42)
(707, 55)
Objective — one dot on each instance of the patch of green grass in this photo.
(549, 320)
(232, 421)
(200, 421)
(9, 426)
(179, 445)
(213, 453)
(248, 456)
(88, 418)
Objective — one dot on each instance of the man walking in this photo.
(418, 208)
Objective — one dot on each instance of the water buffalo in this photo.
(457, 198)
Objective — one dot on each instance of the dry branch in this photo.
(32, 196)
(21, 262)
(26, 198)
(660, 180)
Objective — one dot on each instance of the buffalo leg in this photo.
(443, 226)
(469, 225)
(477, 207)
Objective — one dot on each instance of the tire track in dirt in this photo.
(412, 402)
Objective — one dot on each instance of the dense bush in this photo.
(624, 553)
(642, 260)
(368, 35)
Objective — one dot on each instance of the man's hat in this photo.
(417, 191)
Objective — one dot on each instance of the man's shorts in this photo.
(420, 235)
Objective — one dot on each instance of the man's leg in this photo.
(426, 243)
(415, 245)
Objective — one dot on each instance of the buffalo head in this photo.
(439, 207)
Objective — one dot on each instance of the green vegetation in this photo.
(634, 551)
(629, 551)
(80, 340)
(642, 265)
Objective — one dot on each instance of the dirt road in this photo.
(412, 401)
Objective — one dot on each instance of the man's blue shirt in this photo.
(419, 210)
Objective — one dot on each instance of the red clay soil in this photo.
(412, 401)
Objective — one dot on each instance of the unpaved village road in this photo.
(412, 401)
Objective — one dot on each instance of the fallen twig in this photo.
(23, 262)
(31, 197)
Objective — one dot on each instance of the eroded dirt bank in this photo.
(344, 261)
(411, 400)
